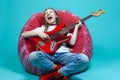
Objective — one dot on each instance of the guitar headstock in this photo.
(97, 13)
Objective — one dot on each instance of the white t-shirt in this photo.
(62, 48)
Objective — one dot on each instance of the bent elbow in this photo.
(71, 43)
(24, 35)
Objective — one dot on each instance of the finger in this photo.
(77, 22)
(46, 37)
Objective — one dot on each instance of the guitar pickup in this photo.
(52, 45)
(41, 43)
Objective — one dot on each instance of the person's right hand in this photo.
(43, 36)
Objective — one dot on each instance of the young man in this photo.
(71, 63)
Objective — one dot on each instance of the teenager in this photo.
(62, 63)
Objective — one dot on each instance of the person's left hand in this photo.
(78, 24)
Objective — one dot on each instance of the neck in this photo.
(52, 24)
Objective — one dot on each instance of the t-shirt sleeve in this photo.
(39, 29)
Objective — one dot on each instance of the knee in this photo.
(33, 56)
(82, 58)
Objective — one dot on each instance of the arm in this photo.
(28, 34)
(74, 35)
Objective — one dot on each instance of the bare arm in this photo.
(74, 35)
(28, 34)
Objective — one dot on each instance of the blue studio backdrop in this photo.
(104, 30)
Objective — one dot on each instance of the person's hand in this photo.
(78, 24)
(43, 36)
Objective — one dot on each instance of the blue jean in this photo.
(72, 63)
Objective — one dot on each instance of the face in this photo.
(50, 16)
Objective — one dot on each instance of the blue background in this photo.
(104, 30)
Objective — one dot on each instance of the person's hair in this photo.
(57, 20)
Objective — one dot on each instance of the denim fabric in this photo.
(72, 63)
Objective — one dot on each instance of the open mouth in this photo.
(49, 18)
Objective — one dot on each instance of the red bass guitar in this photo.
(57, 36)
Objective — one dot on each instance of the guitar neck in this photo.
(64, 31)
(87, 17)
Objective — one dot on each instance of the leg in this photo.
(41, 60)
(73, 63)
(45, 63)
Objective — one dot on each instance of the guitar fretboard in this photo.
(89, 16)
(64, 31)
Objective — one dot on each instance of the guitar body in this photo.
(49, 46)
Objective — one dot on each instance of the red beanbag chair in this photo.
(25, 46)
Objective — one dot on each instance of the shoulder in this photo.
(41, 29)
